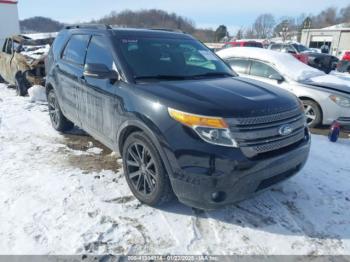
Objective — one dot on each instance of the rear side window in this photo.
(240, 66)
(76, 49)
(57, 44)
(98, 52)
(262, 70)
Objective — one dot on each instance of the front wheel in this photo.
(144, 170)
(313, 113)
(58, 120)
(22, 85)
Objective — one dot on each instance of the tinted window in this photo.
(57, 44)
(275, 47)
(253, 44)
(4, 46)
(239, 65)
(148, 57)
(76, 48)
(9, 46)
(98, 52)
(300, 48)
(262, 70)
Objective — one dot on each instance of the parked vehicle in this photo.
(243, 44)
(180, 118)
(325, 97)
(345, 55)
(323, 62)
(343, 66)
(22, 62)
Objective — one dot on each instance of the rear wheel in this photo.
(58, 120)
(144, 170)
(22, 85)
(313, 113)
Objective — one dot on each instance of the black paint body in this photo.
(110, 110)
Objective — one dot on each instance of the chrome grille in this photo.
(258, 135)
(266, 118)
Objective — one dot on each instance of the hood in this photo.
(330, 82)
(226, 97)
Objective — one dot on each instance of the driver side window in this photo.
(262, 70)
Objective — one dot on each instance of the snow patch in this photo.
(95, 150)
(37, 93)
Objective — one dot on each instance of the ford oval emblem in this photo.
(285, 130)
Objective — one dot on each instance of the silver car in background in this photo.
(325, 97)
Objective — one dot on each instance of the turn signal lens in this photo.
(197, 120)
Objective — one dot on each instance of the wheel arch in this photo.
(131, 126)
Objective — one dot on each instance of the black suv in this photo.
(181, 119)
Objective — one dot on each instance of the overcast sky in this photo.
(212, 13)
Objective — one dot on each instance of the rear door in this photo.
(70, 72)
(98, 99)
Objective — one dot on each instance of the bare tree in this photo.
(249, 33)
(345, 15)
(264, 25)
(239, 34)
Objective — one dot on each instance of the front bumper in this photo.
(220, 179)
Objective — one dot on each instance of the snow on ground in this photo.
(62, 194)
(37, 93)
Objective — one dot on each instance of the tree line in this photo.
(264, 26)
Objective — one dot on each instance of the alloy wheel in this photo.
(141, 169)
(310, 114)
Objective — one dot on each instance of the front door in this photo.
(98, 99)
(265, 73)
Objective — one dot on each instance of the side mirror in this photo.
(276, 77)
(100, 71)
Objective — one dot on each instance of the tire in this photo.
(313, 113)
(22, 85)
(1, 80)
(144, 170)
(58, 120)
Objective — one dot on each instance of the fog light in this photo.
(218, 196)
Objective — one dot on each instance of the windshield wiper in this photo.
(161, 77)
(213, 74)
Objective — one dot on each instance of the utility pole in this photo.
(285, 30)
(307, 25)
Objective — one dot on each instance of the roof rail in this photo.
(168, 30)
(89, 26)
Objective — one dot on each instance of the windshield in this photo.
(301, 48)
(171, 59)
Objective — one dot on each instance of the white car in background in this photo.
(325, 97)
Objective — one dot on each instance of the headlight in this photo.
(213, 130)
(340, 100)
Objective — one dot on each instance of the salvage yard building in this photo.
(337, 38)
(9, 22)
